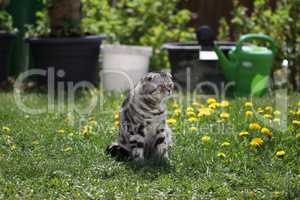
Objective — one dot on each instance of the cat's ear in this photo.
(169, 75)
(166, 74)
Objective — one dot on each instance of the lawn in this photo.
(60, 155)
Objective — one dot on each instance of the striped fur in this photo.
(143, 132)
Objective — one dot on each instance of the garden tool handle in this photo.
(255, 36)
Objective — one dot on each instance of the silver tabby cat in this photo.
(143, 132)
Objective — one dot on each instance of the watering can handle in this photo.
(260, 37)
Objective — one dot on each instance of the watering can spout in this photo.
(227, 66)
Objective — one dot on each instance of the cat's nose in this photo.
(169, 87)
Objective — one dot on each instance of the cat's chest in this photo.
(154, 126)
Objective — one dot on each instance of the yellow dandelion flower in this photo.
(280, 153)
(13, 147)
(204, 112)
(86, 130)
(277, 113)
(243, 133)
(5, 129)
(292, 112)
(298, 135)
(177, 112)
(248, 104)
(254, 126)
(221, 155)
(93, 123)
(225, 144)
(296, 122)
(224, 104)
(277, 194)
(269, 109)
(189, 109)
(171, 121)
(117, 124)
(116, 116)
(260, 110)
(205, 138)
(67, 149)
(297, 112)
(213, 106)
(92, 119)
(61, 131)
(193, 129)
(266, 132)
(35, 142)
(191, 114)
(224, 115)
(268, 116)
(211, 100)
(175, 105)
(248, 113)
(71, 134)
(192, 119)
(256, 142)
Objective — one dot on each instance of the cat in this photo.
(143, 131)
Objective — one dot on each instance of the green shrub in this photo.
(282, 24)
(6, 22)
(40, 28)
(139, 22)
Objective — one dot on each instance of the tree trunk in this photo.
(4, 3)
(65, 17)
(293, 42)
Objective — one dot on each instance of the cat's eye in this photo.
(149, 78)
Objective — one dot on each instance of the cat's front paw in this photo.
(138, 154)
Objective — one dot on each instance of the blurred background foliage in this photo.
(282, 23)
(139, 22)
(6, 21)
(130, 22)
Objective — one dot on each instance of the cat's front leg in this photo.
(137, 144)
(163, 142)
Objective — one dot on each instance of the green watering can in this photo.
(248, 66)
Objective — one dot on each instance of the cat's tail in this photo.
(118, 151)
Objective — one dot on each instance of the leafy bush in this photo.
(6, 22)
(282, 24)
(41, 28)
(139, 22)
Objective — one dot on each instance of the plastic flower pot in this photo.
(77, 57)
(5, 47)
(123, 66)
(194, 65)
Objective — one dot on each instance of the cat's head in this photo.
(157, 84)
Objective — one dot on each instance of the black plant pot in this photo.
(5, 47)
(76, 57)
(195, 67)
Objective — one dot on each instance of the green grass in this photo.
(39, 162)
